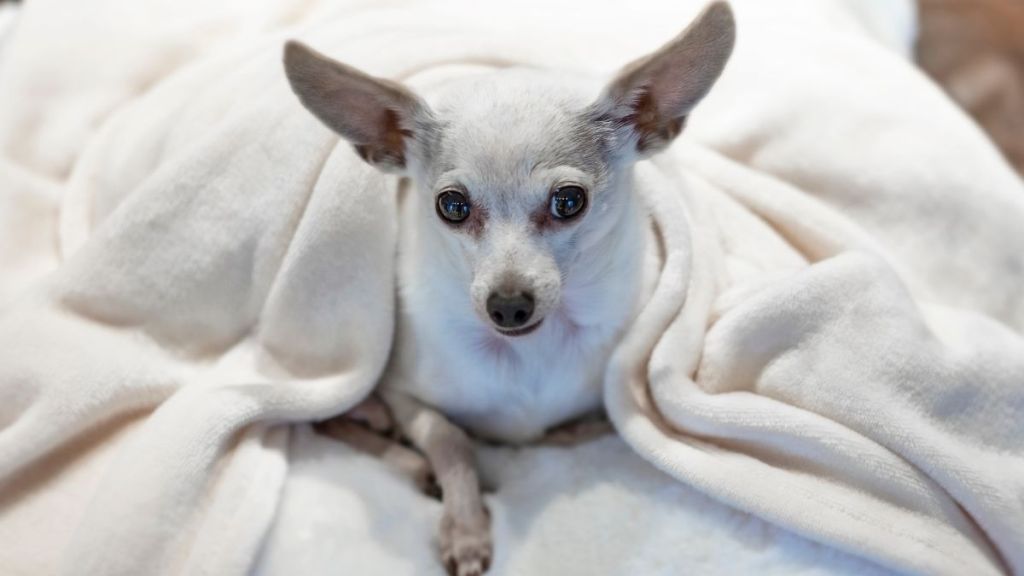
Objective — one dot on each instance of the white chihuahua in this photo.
(522, 242)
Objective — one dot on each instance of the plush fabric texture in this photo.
(191, 267)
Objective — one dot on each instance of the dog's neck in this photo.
(513, 388)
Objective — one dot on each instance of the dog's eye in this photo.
(568, 201)
(452, 206)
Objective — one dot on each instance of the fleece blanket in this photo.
(193, 267)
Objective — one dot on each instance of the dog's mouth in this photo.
(519, 331)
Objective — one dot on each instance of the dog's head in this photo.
(525, 174)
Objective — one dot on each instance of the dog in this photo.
(524, 249)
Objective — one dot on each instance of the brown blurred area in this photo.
(975, 50)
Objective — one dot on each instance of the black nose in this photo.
(510, 311)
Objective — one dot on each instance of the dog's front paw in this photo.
(466, 547)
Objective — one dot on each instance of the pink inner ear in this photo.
(388, 144)
(361, 111)
(653, 127)
(679, 91)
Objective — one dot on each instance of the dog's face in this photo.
(524, 174)
(519, 183)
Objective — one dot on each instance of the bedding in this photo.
(829, 376)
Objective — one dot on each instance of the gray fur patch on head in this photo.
(503, 127)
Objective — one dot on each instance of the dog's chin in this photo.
(517, 332)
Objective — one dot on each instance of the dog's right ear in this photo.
(382, 119)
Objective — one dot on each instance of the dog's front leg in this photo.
(410, 463)
(465, 535)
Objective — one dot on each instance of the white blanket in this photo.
(190, 262)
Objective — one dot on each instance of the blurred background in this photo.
(975, 50)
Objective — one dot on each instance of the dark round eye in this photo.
(568, 201)
(452, 206)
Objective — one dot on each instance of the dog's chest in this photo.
(505, 390)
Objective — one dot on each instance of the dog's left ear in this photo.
(648, 102)
(382, 119)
